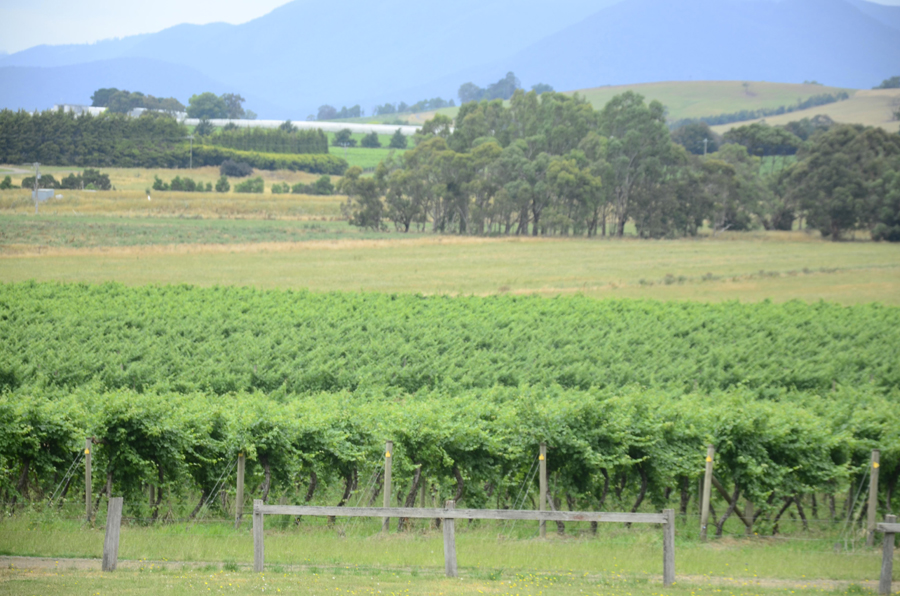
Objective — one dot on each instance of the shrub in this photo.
(46, 181)
(252, 185)
(322, 186)
(370, 141)
(398, 141)
(281, 188)
(222, 184)
(235, 169)
(159, 184)
(6, 183)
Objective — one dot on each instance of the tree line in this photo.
(152, 140)
(550, 164)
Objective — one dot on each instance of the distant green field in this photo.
(693, 99)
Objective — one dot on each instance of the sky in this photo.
(27, 23)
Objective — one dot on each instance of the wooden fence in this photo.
(450, 513)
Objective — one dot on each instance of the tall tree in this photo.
(638, 141)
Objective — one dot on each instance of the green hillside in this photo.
(693, 99)
(684, 99)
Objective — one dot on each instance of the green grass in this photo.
(483, 550)
(353, 581)
(749, 267)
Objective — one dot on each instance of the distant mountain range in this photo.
(310, 52)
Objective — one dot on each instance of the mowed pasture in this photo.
(749, 267)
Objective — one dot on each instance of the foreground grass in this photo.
(746, 267)
(487, 550)
(355, 581)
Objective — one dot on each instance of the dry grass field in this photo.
(748, 267)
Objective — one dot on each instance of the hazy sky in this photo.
(28, 23)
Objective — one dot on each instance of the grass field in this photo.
(777, 266)
(868, 107)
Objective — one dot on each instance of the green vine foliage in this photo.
(174, 382)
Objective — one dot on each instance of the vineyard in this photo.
(173, 382)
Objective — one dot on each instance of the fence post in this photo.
(450, 542)
(259, 548)
(111, 542)
(707, 489)
(87, 480)
(669, 548)
(239, 492)
(887, 559)
(873, 497)
(542, 502)
(388, 456)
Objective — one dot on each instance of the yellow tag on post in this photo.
(541, 457)
(708, 459)
(87, 451)
(875, 465)
(388, 454)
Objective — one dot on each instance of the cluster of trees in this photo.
(344, 138)
(502, 89)
(322, 186)
(186, 184)
(420, 106)
(237, 169)
(89, 179)
(891, 83)
(552, 165)
(285, 139)
(327, 112)
(122, 102)
(153, 140)
(211, 106)
(742, 115)
(173, 382)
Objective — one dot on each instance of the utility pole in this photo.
(37, 177)
(191, 164)
(705, 141)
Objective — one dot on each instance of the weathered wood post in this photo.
(422, 483)
(388, 456)
(239, 492)
(87, 480)
(450, 542)
(707, 490)
(887, 559)
(259, 547)
(669, 548)
(542, 502)
(873, 497)
(111, 542)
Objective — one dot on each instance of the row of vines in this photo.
(171, 383)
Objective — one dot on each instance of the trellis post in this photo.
(542, 502)
(87, 480)
(707, 491)
(887, 559)
(388, 456)
(873, 497)
(239, 492)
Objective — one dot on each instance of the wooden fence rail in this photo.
(666, 519)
